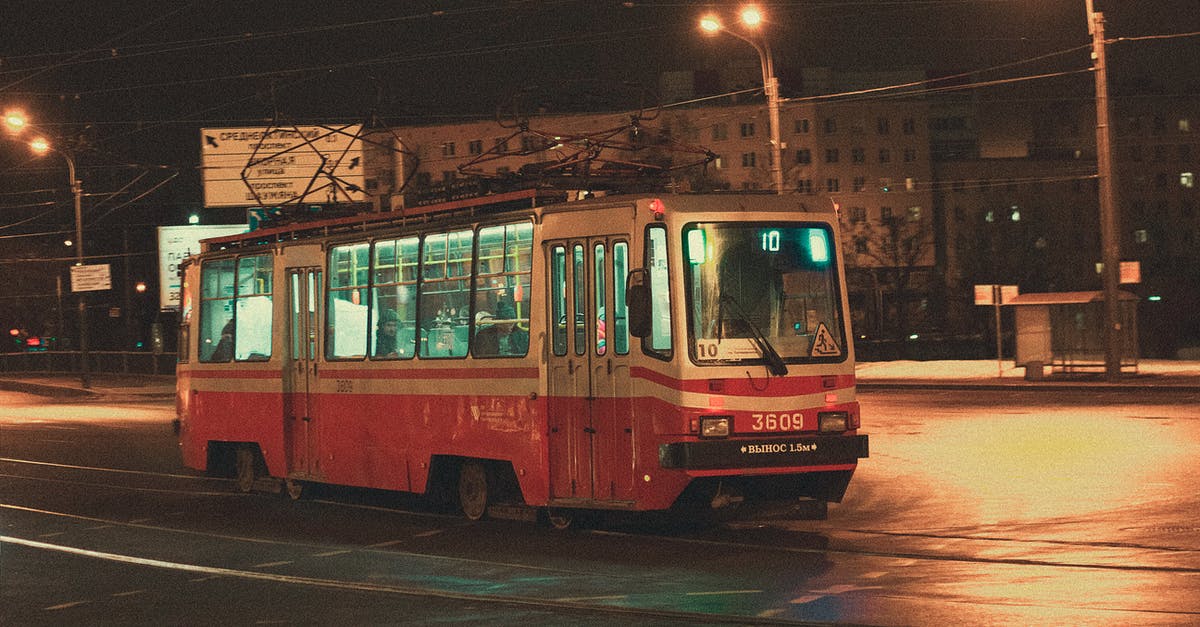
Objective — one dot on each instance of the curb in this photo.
(1054, 386)
(46, 389)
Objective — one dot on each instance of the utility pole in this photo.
(1109, 237)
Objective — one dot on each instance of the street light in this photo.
(16, 122)
(752, 18)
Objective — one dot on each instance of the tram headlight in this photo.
(833, 421)
(714, 426)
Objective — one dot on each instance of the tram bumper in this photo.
(765, 473)
(823, 451)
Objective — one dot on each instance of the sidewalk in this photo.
(105, 387)
(951, 374)
(988, 374)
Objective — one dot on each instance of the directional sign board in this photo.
(176, 243)
(269, 167)
(91, 278)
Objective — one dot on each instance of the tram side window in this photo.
(183, 352)
(619, 334)
(558, 299)
(445, 292)
(253, 309)
(349, 271)
(579, 295)
(394, 299)
(216, 311)
(658, 343)
(503, 265)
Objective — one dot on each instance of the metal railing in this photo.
(108, 362)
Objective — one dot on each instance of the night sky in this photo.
(127, 83)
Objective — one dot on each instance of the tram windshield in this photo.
(754, 289)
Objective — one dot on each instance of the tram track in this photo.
(565, 604)
(965, 558)
(113, 538)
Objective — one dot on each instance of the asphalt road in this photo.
(974, 508)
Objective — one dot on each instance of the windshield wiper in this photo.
(775, 363)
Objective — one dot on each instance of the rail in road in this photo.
(147, 519)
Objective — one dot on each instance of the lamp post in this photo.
(16, 123)
(752, 18)
(1109, 236)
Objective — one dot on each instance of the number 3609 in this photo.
(777, 422)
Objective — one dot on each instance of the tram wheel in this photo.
(560, 519)
(473, 489)
(294, 489)
(246, 465)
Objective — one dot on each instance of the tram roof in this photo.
(508, 201)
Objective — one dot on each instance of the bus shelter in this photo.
(1065, 330)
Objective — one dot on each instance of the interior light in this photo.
(1154, 299)
(818, 246)
(697, 247)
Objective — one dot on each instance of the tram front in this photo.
(764, 409)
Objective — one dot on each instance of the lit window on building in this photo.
(990, 216)
(914, 214)
(1014, 213)
(910, 184)
(1187, 179)
(1140, 236)
(1185, 126)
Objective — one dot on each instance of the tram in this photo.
(636, 353)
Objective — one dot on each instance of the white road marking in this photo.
(332, 553)
(64, 606)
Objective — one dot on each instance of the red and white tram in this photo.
(621, 353)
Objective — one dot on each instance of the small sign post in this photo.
(996, 295)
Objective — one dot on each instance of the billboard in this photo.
(269, 167)
(175, 243)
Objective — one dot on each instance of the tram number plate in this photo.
(777, 422)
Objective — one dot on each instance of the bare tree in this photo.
(892, 258)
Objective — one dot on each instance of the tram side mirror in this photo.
(637, 298)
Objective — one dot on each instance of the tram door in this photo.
(590, 412)
(300, 370)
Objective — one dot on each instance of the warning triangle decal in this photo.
(823, 344)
